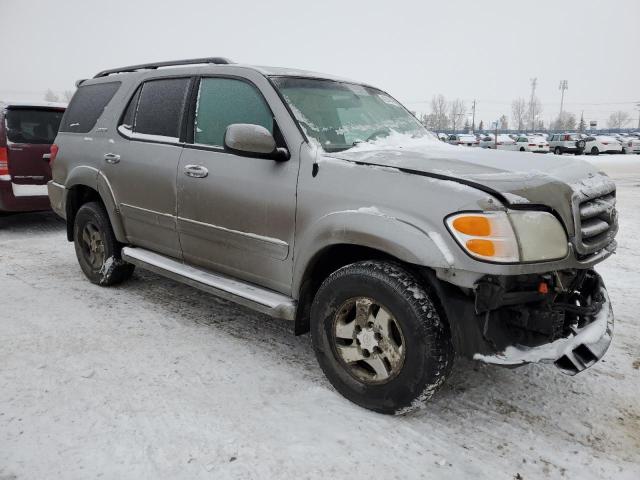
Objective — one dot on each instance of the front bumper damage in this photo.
(564, 318)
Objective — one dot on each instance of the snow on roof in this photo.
(9, 103)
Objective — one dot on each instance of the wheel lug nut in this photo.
(365, 352)
(377, 350)
(378, 336)
(370, 324)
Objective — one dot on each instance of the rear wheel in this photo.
(595, 151)
(557, 151)
(379, 338)
(97, 249)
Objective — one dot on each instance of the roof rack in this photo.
(172, 63)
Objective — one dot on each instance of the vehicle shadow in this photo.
(275, 339)
(31, 222)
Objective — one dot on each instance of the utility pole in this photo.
(473, 121)
(564, 85)
(534, 83)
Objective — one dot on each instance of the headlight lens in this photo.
(508, 237)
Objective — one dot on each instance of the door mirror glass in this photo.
(250, 140)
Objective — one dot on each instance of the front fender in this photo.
(369, 227)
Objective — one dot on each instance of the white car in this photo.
(505, 142)
(465, 139)
(602, 144)
(532, 144)
(443, 136)
(631, 145)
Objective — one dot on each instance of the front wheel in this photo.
(557, 151)
(379, 338)
(97, 249)
(595, 151)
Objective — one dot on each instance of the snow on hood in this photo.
(521, 177)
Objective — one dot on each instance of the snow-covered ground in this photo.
(153, 379)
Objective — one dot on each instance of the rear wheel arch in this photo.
(79, 194)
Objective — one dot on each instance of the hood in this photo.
(516, 178)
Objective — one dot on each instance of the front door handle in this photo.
(195, 171)
(111, 158)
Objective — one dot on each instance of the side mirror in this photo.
(253, 141)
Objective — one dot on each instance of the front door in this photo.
(141, 161)
(236, 214)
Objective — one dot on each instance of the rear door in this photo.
(30, 133)
(141, 161)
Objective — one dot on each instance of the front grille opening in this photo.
(596, 223)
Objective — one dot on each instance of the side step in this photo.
(251, 296)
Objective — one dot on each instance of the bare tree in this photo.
(565, 121)
(504, 122)
(67, 95)
(619, 119)
(438, 115)
(457, 111)
(519, 112)
(534, 109)
(50, 96)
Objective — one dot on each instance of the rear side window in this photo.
(223, 102)
(87, 105)
(156, 109)
(30, 125)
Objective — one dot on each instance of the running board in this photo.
(256, 298)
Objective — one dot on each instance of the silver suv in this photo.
(324, 202)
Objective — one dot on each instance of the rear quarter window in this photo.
(87, 105)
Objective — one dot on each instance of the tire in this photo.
(522, 149)
(394, 309)
(624, 151)
(595, 151)
(97, 250)
(557, 151)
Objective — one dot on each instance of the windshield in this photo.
(31, 125)
(339, 115)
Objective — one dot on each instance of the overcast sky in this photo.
(487, 50)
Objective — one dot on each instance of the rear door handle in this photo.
(195, 171)
(111, 158)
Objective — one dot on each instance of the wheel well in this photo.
(77, 196)
(321, 266)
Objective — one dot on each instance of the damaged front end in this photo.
(563, 317)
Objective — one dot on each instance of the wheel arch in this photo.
(82, 191)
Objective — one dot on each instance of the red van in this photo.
(27, 131)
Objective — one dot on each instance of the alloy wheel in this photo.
(368, 340)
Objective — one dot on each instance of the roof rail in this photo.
(172, 63)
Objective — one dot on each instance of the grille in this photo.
(596, 221)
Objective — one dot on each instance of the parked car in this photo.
(27, 131)
(560, 143)
(531, 144)
(443, 137)
(464, 139)
(263, 186)
(597, 144)
(505, 142)
(631, 145)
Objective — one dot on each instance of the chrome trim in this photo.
(252, 296)
(252, 236)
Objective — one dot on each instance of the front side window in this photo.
(87, 105)
(223, 102)
(32, 125)
(339, 115)
(157, 109)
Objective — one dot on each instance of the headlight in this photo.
(508, 237)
